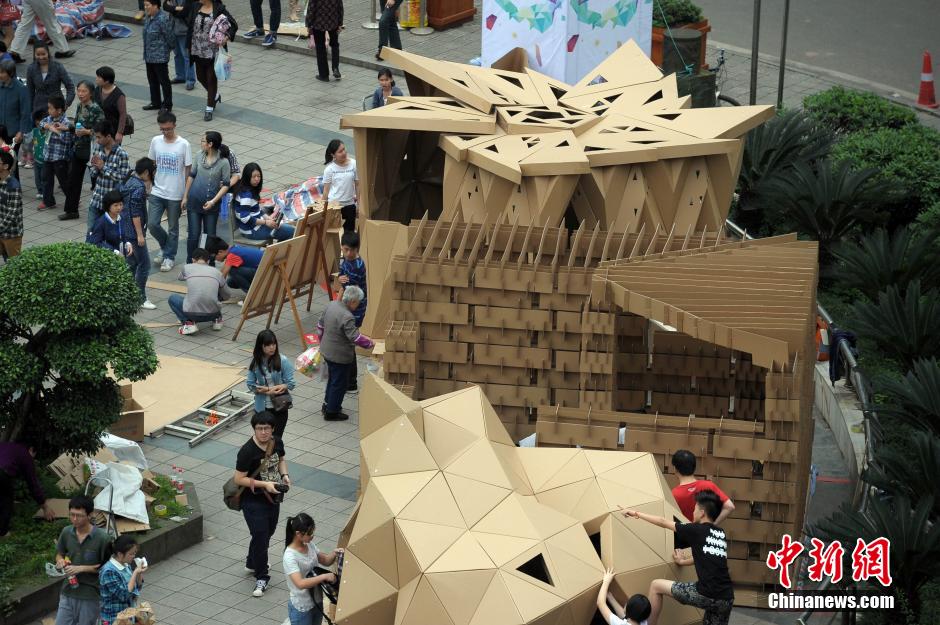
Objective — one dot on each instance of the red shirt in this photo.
(685, 495)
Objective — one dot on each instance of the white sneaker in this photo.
(188, 328)
(157, 258)
(167, 265)
(260, 586)
(217, 324)
(148, 305)
(39, 196)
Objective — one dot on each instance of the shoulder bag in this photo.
(281, 402)
(232, 492)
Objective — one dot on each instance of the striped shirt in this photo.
(248, 211)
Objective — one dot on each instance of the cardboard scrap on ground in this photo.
(125, 526)
(60, 508)
(170, 393)
(70, 469)
(140, 615)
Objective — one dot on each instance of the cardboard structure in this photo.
(619, 147)
(564, 40)
(633, 341)
(457, 526)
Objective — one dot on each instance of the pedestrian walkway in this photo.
(274, 113)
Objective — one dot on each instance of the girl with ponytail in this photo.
(300, 557)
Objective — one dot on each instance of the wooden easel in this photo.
(272, 285)
(313, 262)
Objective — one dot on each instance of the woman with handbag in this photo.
(211, 27)
(300, 558)
(271, 378)
(261, 475)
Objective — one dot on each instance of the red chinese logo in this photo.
(870, 560)
(783, 558)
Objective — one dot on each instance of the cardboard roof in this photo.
(457, 525)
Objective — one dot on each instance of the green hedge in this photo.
(676, 12)
(847, 110)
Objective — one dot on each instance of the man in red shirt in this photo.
(683, 461)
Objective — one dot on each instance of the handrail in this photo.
(861, 388)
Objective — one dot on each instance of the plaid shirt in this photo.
(58, 144)
(115, 171)
(114, 594)
(11, 209)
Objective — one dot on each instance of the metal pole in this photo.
(755, 46)
(421, 28)
(783, 52)
(374, 12)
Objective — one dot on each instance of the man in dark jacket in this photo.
(16, 461)
(134, 192)
(15, 108)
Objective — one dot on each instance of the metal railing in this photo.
(860, 385)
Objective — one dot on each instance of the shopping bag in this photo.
(223, 65)
(308, 363)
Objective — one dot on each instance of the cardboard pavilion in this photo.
(457, 526)
(561, 247)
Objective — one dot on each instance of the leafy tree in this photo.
(909, 472)
(903, 325)
(914, 399)
(880, 260)
(826, 202)
(66, 318)
(770, 152)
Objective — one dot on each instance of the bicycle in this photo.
(720, 78)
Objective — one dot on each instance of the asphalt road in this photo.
(878, 41)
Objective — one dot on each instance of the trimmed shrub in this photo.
(847, 110)
(676, 12)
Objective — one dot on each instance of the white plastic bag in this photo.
(223, 65)
(125, 450)
(129, 501)
(309, 362)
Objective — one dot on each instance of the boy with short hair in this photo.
(683, 461)
(352, 272)
(634, 612)
(57, 153)
(713, 591)
(239, 262)
(205, 288)
(81, 550)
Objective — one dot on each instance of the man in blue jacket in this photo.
(15, 106)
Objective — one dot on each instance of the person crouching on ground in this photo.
(339, 338)
(113, 231)
(712, 592)
(205, 288)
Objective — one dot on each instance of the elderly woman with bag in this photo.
(159, 40)
(271, 379)
(211, 27)
(339, 338)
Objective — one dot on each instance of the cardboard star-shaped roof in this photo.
(458, 526)
(602, 116)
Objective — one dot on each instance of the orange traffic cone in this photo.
(927, 97)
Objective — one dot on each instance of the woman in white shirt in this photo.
(341, 182)
(300, 556)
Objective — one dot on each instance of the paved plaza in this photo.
(275, 114)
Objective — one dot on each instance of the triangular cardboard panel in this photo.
(576, 469)
(405, 595)
(574, 575)
(495, 430)
(373, 513)
(398, 490)
(565, 498)
(404, 452)
(461, 591)
(480, 463)
(377, 550)
(546, 520)
(474, 498)
(497, 607)
(445, 440)
(434, 504)
(426, 607)
(408, 567)
(628, 65)
(603, 461)
(502, 548)
(465, 554)
(376, 392)
(509, 518)
(531, 600)
(463, 409)
(541, 464)
(365, 596)
(427, 540)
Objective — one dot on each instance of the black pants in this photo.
(319, 39)
(158, 76)
(388, 27)
(261, 518)
(52, 171)
(280, 423)
(348, 213)
(205, 74)
(241, 277)
(73, 187)
(258, 18)
(6, 502)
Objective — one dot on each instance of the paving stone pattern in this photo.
(275, 114)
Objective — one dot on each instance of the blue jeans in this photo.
(388, 27)
(264, 233)
(336, 385)
(311, 617)
(175, 302)
(184, 71)
(139, 264)
(168, 240)
(241, 277)
(199, 221)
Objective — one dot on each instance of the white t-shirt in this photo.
(616, 620)
(296, 562)
(342, 181)
(169, 182)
